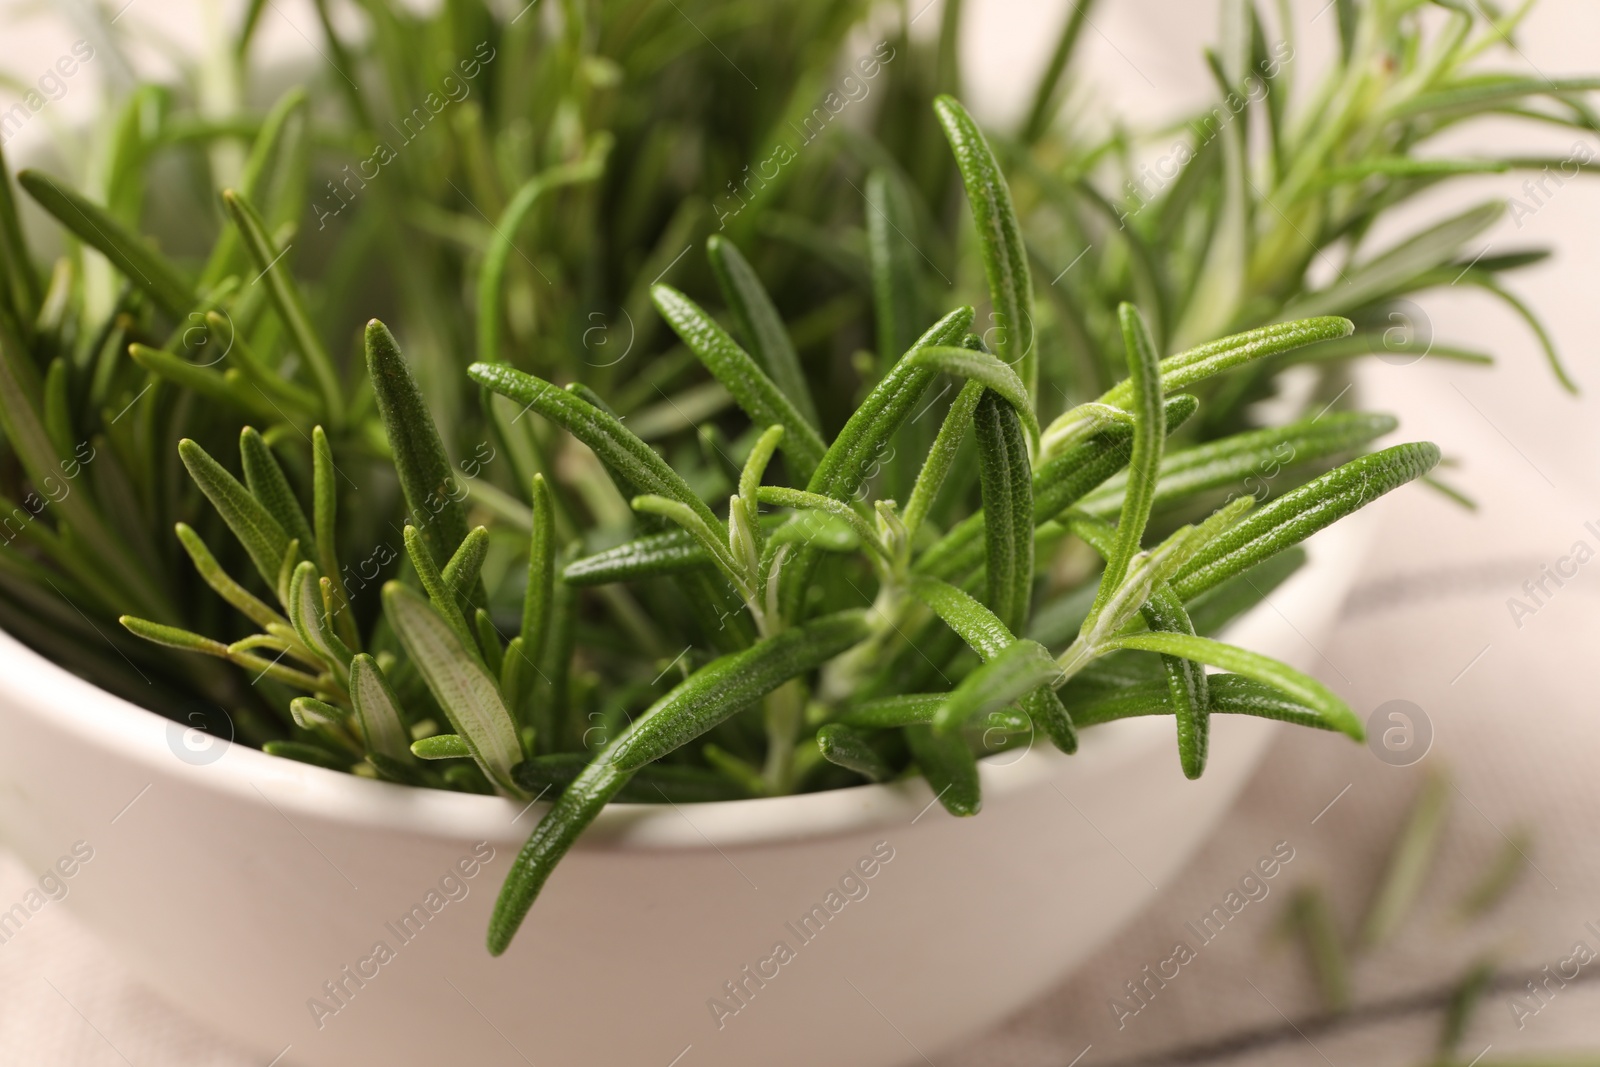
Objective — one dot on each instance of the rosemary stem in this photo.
(785, 713)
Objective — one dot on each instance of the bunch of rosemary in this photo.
(904, 575)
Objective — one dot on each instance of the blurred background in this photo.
(1497, 704)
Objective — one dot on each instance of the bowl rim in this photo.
(67, 703)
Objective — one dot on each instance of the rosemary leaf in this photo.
(752, 390)
(672, 552)
(426, 476)
(1010, 674)
(936, 467)
(266, 482)
(578, 806)
(1301, 512)
(730, 683)
(981, 367)
(441, 746)
(459, 682)
(460, 572)
(377, 711)
(324, 519)
(845, 746)
(1299, 687)
(306, 614)
(1007, 485)
(257, 610)
(260, 534)
(896, 276)
(540, 588)
(763, 331)
(290, 304)
(616, 446)
(133, 257)
(948, 765)
(1005, 258)
(1149, 435)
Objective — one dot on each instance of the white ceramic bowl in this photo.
(239, 884)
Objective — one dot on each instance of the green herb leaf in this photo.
(848, 461)
(1010, 674)
(290, 304)
(1300, 687)
(173, 637)
(301, 752)
(578, 806)
(540, 590)
(439, 593)
(796, 498)
(1310, 916)
(133, 257)
(1005, 257)
(1186, 681)
(988, 637)
(324, 516)
(851, 750)
(752, 390)
(1301, 512)
(377, 709)
(1208, 360)
(260, 534)
(426, 476)
(1230, 694)
(981, 367)
(441, 746)
(918, 709)
(491, 277)
(896, 277)
(948, 765)
(1046, 95)
(270, 163)
(306, 614)
(711, 536)
(1464, 1003)
(656, 783)
(1057, 485)
(203, 380)
(1490, 90)
(1149, 434)
(618, 448)
(1388, 273)
(19, 282)
(266, 482)
(979, 627)
(1254, 458)
(459, 682)
(730, 683)
(460, 574)
(1486, 282)
(930, 479)
(257, 610)
(1007, 485)
(1510, 863)
(651, 556)
(759, 324)
(489, 644)
(309, 713)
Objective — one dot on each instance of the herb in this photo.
(880, 565)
